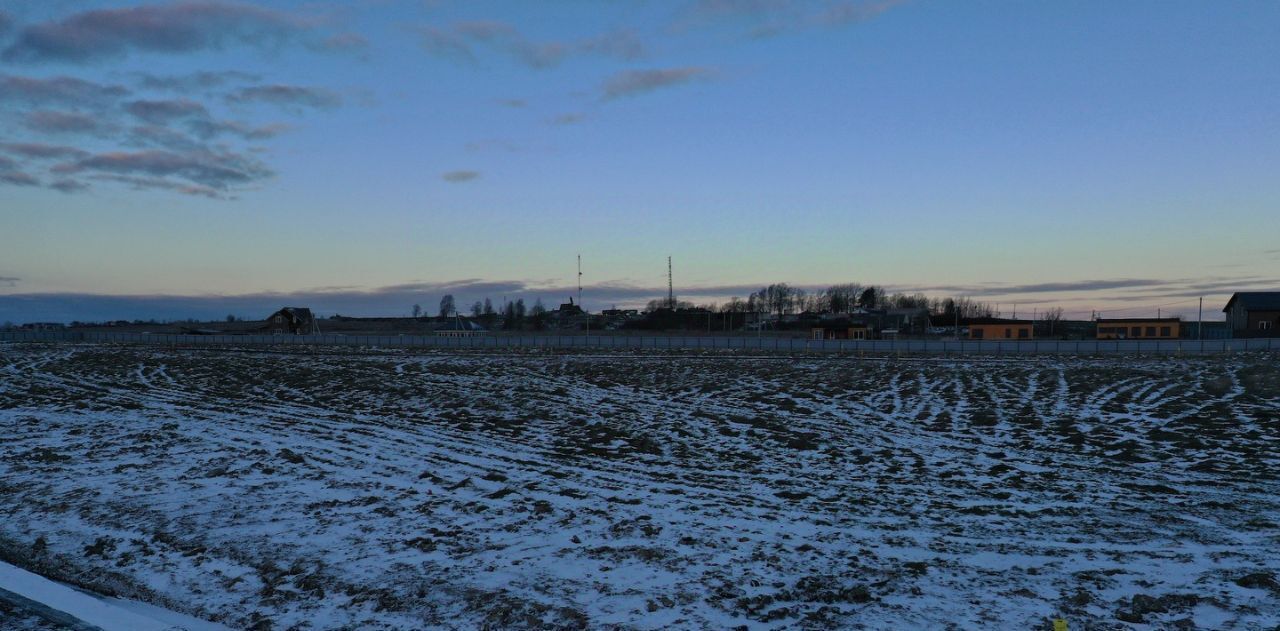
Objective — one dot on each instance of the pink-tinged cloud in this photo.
(166, 28)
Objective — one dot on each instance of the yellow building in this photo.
(999, 329)
(1139, 328)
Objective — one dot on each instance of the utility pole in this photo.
(1200, 320)
(580, 281)
(671, 288)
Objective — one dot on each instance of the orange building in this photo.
(999, 329)
(1139, 328)
(841, 332)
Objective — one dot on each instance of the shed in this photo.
(1139, 328)
(459, 327)
(999, 329)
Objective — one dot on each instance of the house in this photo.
(569, 309)
(907, 321)
(841, 330)
(459, 327)
(620, 313)
(292, 321)
(1254, 313)
(998, 329)
(1139, 328)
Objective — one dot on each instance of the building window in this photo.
(1023, 333)
(1264, 325)
(1151, 331)
(1135, 331)
(977, 334)
(1166, 331)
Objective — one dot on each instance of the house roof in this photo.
(969, 321)
(458, 324)
(1255, 300)
(298, 313)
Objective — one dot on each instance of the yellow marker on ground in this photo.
(1059, 624)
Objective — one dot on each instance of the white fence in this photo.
(635, 342)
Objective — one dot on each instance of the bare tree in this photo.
(778, 298)
(417, 310)
(488, 308)
(477, 309)
(843, 298)
(905, 301)
(1051, 322)
(446, 305)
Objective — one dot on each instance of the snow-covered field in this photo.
(397, 490)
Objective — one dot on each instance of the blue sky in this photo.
(189, 159)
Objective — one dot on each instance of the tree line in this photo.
(514, 314)
(778, 298)
(783, 299)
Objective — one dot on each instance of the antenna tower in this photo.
(579, 281)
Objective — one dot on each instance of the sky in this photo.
(197, 159)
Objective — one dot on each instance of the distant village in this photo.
(841, 312)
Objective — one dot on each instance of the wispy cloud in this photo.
(195, 81)
(286, 95)
(342, 42)
(51, 122)
(633, 82)
(568, 119)
(135, 134)
(161, 112)
(67, 185)
(460, 41)
(1134, 288)
(207, 172)
(58, 91)
(768, 18)
(18, 178)
(459, 176)
(206, 128)
(160, 184)
(37, 151)
(167, 28)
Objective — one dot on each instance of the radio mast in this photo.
(579, 281)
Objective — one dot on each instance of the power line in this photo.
(1145, 307)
